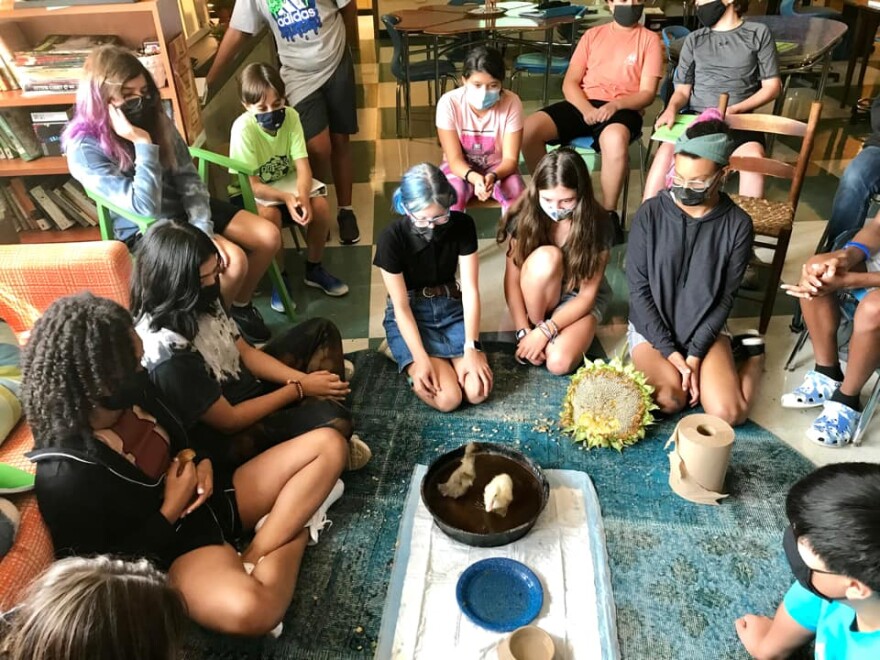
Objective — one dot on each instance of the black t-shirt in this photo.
(192, 376)
(426, 263)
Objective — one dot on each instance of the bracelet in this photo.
(551, 334)
(859, 246)
(299, 388)
(467, 175)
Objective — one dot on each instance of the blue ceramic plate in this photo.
(499, 594)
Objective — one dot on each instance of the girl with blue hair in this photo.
(432, 321)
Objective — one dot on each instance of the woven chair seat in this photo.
(769, 218)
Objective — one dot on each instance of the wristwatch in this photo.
(522, 332)
(476, 345)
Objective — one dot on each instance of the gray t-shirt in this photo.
(309, 34)
(735, 61)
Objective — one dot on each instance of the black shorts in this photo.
(221, 215)
(332, 105)
(570, 122)
(216, 522)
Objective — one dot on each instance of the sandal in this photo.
(836, 425)
(815, 391)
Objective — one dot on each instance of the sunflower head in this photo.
(608, 404)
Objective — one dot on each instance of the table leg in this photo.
(872, 20)
(548, 36)
(826, 67)
(856, 48)
(407, 99)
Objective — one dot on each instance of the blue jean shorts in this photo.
(600, 306)
(441, 326)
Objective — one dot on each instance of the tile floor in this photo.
(380, 158)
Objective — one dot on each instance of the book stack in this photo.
(45, 204)
(53, 66)
(48, 127)
(17, 138)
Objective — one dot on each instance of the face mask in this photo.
(802, 572)
(628, 15)
(555, 214)
(710, 13)
(688, 197)
(129, 393)
(482, 98)
(272, 120)
(208, 296)
(140, 111)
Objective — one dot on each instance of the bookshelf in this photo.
(133, 23)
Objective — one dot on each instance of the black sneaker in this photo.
(250, 323)
(349, 234)
(618, 237)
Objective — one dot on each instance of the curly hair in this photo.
(80, 350)
(590, 234)
(99, 608)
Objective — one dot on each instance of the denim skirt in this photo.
(441, 326)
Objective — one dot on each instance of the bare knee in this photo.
(544, 263)
(473, 392)
(237, 266)
(669, 399)
(732, 412)
(447, 399)
(614, 140)
(868, 313)
(267, 237)
(560, 364)
(247, 614)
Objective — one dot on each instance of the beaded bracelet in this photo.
(299, 388)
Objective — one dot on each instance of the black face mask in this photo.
(710, 13)
(689, 197)
(271, 120)
(128, 394)
(802, 572)
(208, 296)
(140, 111)
(628, 15)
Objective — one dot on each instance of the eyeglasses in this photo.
(694, 184)
(441, 219)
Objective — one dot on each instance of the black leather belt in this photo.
(450, 290)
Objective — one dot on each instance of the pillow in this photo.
(10, 380)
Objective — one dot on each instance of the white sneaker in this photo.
(349, 370)
(319, 520)
(275, 633)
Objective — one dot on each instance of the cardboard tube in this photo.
(698, 462)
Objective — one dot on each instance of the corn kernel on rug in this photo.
(681, 572)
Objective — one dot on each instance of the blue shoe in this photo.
(836, 425)
(275, 301)
(321, 279)
(812, 393)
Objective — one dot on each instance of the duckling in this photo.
(462, 479)
(498, 494)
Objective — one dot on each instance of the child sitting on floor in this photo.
(269, 138)
(833, 547)
(687, 252)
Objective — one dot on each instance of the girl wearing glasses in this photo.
(688, 250)
(121, 145)
(432, 323)
(480, 127)
(554, 281)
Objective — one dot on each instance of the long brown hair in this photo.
(106, 70)
(97, 609)
(589, 236)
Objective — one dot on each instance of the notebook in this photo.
(666, 134)
(288, 184)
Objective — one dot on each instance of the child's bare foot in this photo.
(752, 629)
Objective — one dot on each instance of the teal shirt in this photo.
(833, 623)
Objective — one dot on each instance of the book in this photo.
(49, 133)
(15, 125)
(6, 150)
(11, 40)
(51, 116)
(7, 215)
(66, 207)
(288, 184)
(23, 221)
(81, 201)
(25, 203)
(71, 44)
(50, 208)
(666, 134)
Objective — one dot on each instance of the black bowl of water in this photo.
(465, 519)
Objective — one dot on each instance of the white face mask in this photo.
(481, 98)
(554, 213)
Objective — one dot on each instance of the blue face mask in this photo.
(482, 98)
(272, 120)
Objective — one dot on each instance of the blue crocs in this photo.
(812, 393)
(836, 425)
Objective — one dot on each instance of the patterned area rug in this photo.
(681, 572)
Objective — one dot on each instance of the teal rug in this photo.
(681, 572)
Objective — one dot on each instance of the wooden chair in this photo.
(773, 220)
(107, 209)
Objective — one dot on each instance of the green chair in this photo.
(203, 159)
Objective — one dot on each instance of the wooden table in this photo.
(865, 15)
(815, 39)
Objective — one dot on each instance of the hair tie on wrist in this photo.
(859, 246)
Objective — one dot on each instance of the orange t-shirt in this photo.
(615, 59)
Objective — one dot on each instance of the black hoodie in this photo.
(95, 501)
(683, 272)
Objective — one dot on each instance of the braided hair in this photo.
(81, 350)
